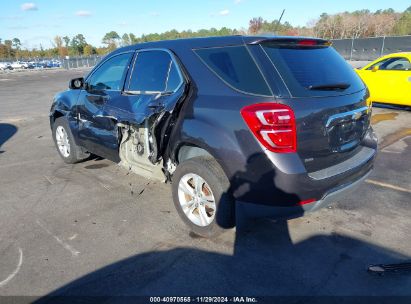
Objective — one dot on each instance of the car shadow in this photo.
(264, 260)
(6, 132)
(391, 106)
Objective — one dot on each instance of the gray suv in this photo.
(255, 126)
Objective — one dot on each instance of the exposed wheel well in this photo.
(56, 115)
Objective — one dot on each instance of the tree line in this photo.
(357, 24)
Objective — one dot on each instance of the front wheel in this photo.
(201, 196)
(64, 141)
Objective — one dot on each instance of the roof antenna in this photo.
(278, 22)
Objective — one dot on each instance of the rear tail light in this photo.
(273, 125)
(309, 201)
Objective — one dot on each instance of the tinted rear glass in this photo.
(301, 68)
(150, 71)
(235, 66)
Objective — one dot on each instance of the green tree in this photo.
(3, 51)
(16, 43)
(89, 50)
(133, 38)
(388, 11)
(66, 40)
(403, 25)
(111, 39)
(42, 52)
(255, 25)
(9, 48)
(78, 43)
(60, 48)
(125, 39)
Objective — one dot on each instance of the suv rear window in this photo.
(234, 65)
(303, 68)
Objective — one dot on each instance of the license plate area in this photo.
(346, 130)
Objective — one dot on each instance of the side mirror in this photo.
(375, 68)
(76, 83)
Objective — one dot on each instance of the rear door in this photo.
(152, 91)
(327, 96)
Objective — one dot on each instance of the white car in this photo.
(5, 66)
(20, 65)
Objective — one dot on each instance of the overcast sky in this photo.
(39, 21)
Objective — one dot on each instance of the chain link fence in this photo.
(80, 62)
(368, 49)
(361, 49)
(357, 49)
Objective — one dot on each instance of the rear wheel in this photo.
(64, 141)
(201, 196)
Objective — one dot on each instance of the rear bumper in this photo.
(252, 210)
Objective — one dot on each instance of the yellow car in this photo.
(389, 79)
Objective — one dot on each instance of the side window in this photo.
(174, 78)
(234, 65)
(154, 71)
(390, 64)
(379, 64)
(111, 74)
(400, 64)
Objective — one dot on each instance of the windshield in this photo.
(313, 71)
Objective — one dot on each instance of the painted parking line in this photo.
(66, 246)
(14, 273)
(385, 185)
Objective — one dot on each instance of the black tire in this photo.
(76, 153)
(208, 169)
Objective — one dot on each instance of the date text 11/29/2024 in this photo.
(203, 300)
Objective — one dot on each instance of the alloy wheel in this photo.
(196, 199)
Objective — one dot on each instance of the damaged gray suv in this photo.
(257, 126)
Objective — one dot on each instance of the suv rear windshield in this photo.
(234, 65)
(313, 71)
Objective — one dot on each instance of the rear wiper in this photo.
(329, 86)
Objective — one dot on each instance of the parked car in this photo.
(258, 126)
(5, 66)
(20, 65)
(54, 63)
(36, 64)
(42, 64)
(389, 79)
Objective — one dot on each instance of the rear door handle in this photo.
(158, 105)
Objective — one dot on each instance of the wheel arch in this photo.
(187, 151)
(56, 114)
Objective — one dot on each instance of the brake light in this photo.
(307, 42)
(273, 125)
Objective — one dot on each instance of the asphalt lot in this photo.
(94, 229)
